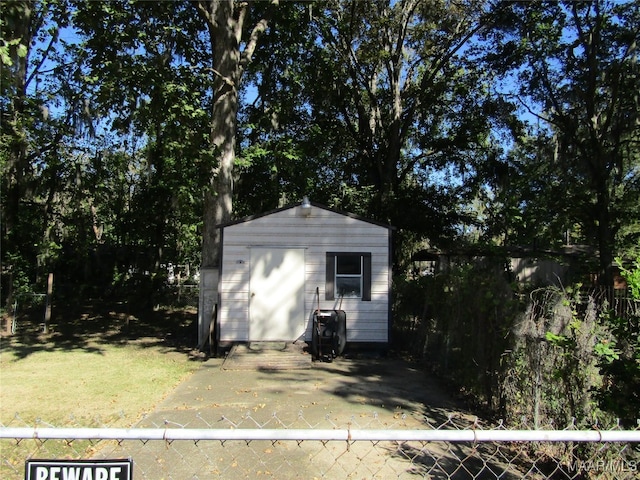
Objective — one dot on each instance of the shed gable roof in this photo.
(313, 204)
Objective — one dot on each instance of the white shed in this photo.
(278, 267)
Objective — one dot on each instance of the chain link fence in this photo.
(363, 446)
(26, 308)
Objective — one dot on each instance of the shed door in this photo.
(276, 303)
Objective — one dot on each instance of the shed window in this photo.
(348, 275)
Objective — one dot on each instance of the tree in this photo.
(41, 108)
(232, 48)
(18, 30)
(573, 66)
(387, 109)
(205, 59)
(153, 94)
(275, 156)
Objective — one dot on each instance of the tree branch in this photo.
(36, 70)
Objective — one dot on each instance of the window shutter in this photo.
(366, 277)
(330, 276)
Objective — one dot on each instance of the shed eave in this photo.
(313, 204)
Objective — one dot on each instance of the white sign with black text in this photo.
(78, 470)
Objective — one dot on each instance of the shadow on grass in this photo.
(90, 326)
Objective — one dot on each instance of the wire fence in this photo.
(29, 308)
(359, 447)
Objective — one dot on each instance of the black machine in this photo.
(329, 336)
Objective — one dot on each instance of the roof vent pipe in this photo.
(306, 206)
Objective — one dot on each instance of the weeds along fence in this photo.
(516, 349)
(619, 301)
(365, 446)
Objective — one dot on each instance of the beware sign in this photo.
(78, 469)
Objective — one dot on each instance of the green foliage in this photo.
(607, 352)
(561, 341)
(564, 364)
(620, 357)
(381, 113)
(632, 276)
(5, 46)
(18, 275)
(575, 64)
(545, 355)
(459, 322)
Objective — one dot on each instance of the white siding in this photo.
(543, 271)
(321, 232)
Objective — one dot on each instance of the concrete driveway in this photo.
(335, 391)
(356, 393)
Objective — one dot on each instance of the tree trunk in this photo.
(225, 23)
(605, 232)
(224, 33)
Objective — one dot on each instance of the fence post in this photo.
(11, 314)
(9, 319)
(47, 310)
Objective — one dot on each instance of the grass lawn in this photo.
(97, 367)
(97, 381)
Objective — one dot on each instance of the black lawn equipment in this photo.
(329, 336)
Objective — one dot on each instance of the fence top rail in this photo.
(250, 434)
